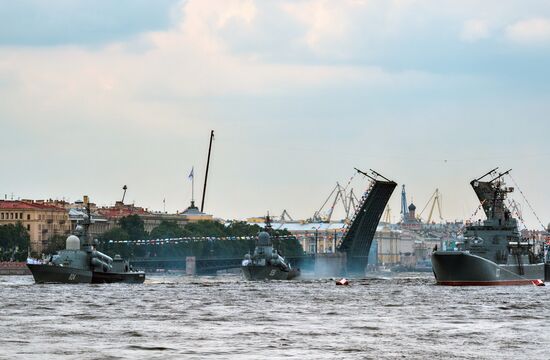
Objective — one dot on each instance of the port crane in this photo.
(435, 199)
(285, 217)
(339, 194)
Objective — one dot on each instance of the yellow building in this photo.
(41, 220)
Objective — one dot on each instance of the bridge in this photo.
(207, 265)
(355, 244)
(357, 240)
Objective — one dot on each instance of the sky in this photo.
(430, 93)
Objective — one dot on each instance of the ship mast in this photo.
(87, 221)
(492, 194)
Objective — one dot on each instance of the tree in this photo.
(168, 229)
(115, 234)
(206, 228)
(14, 242)
(134, 227)
(242, 228)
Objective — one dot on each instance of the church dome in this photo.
(412, 207)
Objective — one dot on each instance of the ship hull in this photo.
(268, 272)
(51, 274)
(460, 268)
(137, 277)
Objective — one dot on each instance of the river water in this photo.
(177, 317)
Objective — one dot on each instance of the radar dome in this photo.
(263, 238)
(73, 243)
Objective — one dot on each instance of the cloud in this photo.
(474, 30)
(531, 31)
(325, 22)
(304, 83)
(83, 22)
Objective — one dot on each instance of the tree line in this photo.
(132, 228)
(15, 240)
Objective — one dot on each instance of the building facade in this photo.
(41, 220)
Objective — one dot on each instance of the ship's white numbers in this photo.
(498, 273)
(272, 273)
(72, 277)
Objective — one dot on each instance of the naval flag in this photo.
(191, 174)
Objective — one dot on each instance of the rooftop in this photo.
(27, 205)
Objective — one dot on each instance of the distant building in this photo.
(121, 210)
(193, 214)
(411, 221)
(41, 220)
(46, 218)
(151, 219)
(318, 237)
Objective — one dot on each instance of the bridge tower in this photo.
(357, 240)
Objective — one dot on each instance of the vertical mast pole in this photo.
(207, 166)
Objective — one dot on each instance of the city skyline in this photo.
(430, 94)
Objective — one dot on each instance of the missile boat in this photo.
(80, 262)
(266, 263)
(494, 251)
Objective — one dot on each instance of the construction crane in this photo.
(338, 194)
(285, 216)
(435, 199)
(387, 215)
(353, 201)
(404, 205)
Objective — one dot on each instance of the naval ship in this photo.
(493, 251)
(266, 262)
(80, 262)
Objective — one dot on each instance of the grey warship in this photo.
(266, 263)
(80, 262)
(493, 251)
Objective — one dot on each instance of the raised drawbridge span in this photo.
(357, 240)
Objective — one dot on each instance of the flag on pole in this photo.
(191, 174)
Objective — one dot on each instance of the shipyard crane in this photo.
(387, 215)
(435, 199)
(285, 216)
(353, 202)
(339, 194)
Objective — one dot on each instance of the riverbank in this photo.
(14, 268)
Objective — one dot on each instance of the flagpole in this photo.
(193, 188)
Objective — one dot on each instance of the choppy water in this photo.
(226, 317)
